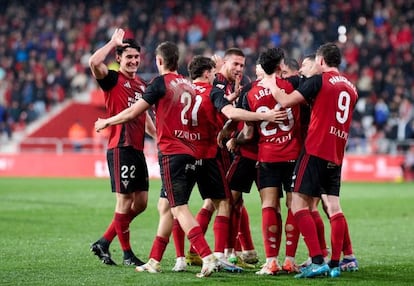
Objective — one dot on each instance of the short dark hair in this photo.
(130, 44)
(198, 65)
(270, 59)
(234, 51)
(330, 53)
(292, 64)
(169, 52)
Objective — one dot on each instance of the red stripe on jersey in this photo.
(120, 97)
(176, 120)
(331, 118)
(207, 122)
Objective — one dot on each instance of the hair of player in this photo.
(270, 60)
(199, 65)
(292, 64)
(131, 43)
(330, 53)
(234, 52)
(170, 54)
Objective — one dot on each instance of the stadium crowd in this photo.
(45, 46)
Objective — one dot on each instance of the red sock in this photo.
(245, 238)
(158, 247)
(179, 236)
(307, 228)
(221, 233)
(269, 231)
(110, 232)
(234, 225)
(292, 235)
(203, 217)
(132, 214)
(279, 231)
(337, 235)
(196, 238)
(347, 247)
(320, 227)
(122, 230)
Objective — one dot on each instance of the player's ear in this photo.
(322, 61)
(159, 60)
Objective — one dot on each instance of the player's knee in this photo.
(140, 207)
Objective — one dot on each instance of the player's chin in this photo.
(132, 69)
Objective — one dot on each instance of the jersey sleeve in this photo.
(294, 81)
(217, 95)
(310, 88)
(155, 90)
(107, 83)
(243, 94)
(245, 80)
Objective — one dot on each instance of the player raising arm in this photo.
(174, 98)
(126, 161)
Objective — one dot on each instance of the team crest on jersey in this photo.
(127, 84)
(125, 183)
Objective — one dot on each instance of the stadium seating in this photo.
(46, 46)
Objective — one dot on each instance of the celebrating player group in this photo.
(286, 131)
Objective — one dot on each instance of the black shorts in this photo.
(314, 176)
(242, 174)
(127, 169)
(276, 175)
(211, 179)
(178, 177)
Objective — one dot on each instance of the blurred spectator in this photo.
(77, 134)
(43, 45)
(5, 127)
(379, 143)
(381, 113)
(357, 142)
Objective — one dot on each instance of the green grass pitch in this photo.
(47, 226)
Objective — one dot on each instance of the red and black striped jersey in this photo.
(176, 114)
(332, 98)
(120, 92)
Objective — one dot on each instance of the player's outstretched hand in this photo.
(118, 37)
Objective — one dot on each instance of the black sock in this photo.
(333, 263)
(128, 254)
(104, 243)
(317, 259)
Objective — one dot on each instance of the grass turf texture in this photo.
(47, 226)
